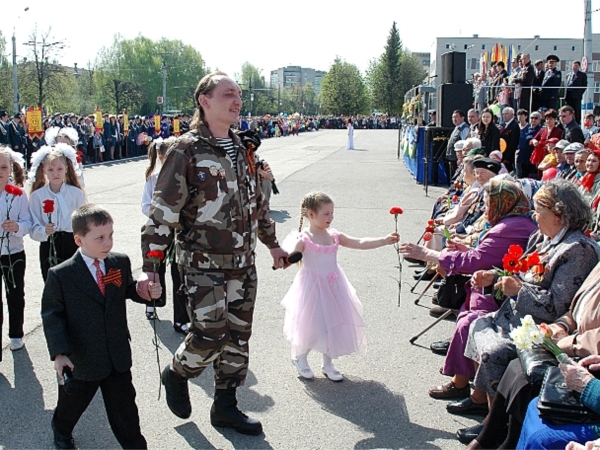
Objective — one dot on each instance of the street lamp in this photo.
(16, 107)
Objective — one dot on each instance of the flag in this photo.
(125, 123)
(33, 117)
(510, 58)
(99, 122)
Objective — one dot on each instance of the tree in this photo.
(258, 98)
(140, 61)
(343, 90)
(42, 72)
(393, 73)
(6, 90)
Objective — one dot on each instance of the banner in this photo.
(176, 130)
(33, 117)
(157, 123)
(99, 126)
(125, 123)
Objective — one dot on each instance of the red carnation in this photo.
(156, 254)
(429, 229)
(13, 190)
(533, 259)
(431, 222)
(396, 210)
(427, 236)
(78, 159)
(79, 152)
(48, 206)
(455, 199)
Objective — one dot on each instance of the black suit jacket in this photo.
(85, 325)
(578, 80)
(574, 134)
(511, 134)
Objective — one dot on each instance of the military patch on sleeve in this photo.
(202, 176)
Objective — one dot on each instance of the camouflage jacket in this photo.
(216, 212)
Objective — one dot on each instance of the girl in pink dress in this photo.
(323, 312)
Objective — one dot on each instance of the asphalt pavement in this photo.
(382, 402)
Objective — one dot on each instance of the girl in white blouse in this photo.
(55, 187)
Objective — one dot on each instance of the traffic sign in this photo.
(160, 100)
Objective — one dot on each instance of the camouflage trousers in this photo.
(220, 306)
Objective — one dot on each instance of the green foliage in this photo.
(136, 67)
(258, 98)
(6, 91)
(343, 90)
(393, 73)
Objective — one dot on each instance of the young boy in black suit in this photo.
(85, 323)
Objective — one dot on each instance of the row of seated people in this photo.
(487, 213)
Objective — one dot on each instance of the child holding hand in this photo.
(323, 312)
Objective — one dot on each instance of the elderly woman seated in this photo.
(477, 172)
(567, 256)
(509, 217)
(577, 333)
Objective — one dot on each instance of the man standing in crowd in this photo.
(473, 118)
(536, 100)
(551, 84)
(510, 133)
(576, 82)
(4, 128)
(16, 135)
(573, 132)
(525, 79)
(207, 170)
(524, 168)
(460, 133)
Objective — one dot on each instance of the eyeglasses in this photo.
(536, 118)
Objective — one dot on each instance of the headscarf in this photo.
(587, 181)
(506, 199)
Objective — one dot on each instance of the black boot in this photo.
(225, 413)
(177, 393)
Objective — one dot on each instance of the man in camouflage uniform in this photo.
(206, 191)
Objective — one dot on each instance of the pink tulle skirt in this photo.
(324, 314)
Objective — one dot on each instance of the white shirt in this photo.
(89, 262)
(148, 192)
(66, 200)
(19, 212)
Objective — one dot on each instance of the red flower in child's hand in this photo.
(79, 152)
(515, 250)
(455, 199)
(48, 206)
(396, 210)
(78, 159)
(510, 263)
(155, 254)
(427, 237)
(11, 189)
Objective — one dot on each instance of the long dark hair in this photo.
(481, 127)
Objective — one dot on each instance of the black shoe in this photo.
(414, 261)
(427, 276)
(440, 347)
(178, 395)
(60, 440)
(466, 406)
(225, 413)
(438, 311)
(181, 328)
(466, 435)
(436, 285)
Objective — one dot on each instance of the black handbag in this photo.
(535, 362)
(559, 405)
(452, 293)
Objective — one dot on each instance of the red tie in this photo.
(100, 277)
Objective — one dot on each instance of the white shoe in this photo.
(303, 368)
(16, 344)
(332, 373)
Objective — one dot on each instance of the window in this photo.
(537, 47)
(426, 62)
(447, 45)
(519, 47)
(555, 47)
(595, 66)
(474, 62)
(482, 46)
(573, 48)
(466, 46)
(597, 87)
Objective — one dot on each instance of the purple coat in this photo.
(489, 253)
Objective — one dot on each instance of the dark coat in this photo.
(551, 85)
(511, 135)
(16, 137)
(578, 80)
(91, 329)
(573, 133)
(490, 140)
(526, 78)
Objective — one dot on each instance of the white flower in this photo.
(527, 321)
(537, 337)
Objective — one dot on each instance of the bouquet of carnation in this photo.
(529, 335)
(514, 262)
